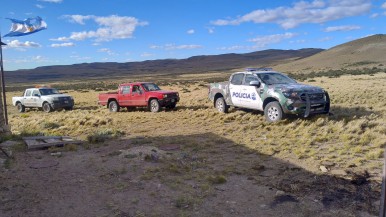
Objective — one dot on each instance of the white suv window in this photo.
(35, 92)
(28, 93)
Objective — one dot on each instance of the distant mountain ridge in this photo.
(195, 64)
(364, 52)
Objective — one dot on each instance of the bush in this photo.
(103, 135)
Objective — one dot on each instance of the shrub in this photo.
(103, 135)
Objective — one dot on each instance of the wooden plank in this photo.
(39, 142)
(42, 137)
(52, 140)
(32, 142)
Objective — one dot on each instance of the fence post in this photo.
(383, 191)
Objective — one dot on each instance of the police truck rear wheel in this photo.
(221, 105)
(273, 112)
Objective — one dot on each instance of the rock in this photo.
(2, 161)
(279, 193)
(58, 154)
(328, 164)
(323, 169)
(339, 172)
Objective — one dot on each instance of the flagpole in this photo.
(3, 83)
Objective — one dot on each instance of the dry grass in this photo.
(354, 137)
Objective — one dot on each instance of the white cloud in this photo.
(341, 28)
(317, 11)
(39, 6)
(190, 31)
(176, 47)
(31, 59)
(263, 41)
(110, 28)
(18, 44)
(325, 39)
(383, 5)
(145, 54)
(69, 44)
(182, 47)
(79, 19)
(38, 58)
(52, 1)
(210, 30)
(106, 50)
(374, 15)
(80, 58)
(59, 39)
(301, 41)
(235, 47)
(156, 47)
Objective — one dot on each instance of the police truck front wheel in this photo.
(221, 105)
(273, 112)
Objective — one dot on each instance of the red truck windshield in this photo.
(150, 87)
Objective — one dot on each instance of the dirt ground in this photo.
(146, 176)
(195, 161)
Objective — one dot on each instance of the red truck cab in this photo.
(139, 94)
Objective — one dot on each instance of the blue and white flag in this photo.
(26, 27)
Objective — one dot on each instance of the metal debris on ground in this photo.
(38, 142)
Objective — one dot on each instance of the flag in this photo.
(26, 27)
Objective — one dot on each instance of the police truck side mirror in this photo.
(255, 83)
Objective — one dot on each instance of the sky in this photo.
(85, 31)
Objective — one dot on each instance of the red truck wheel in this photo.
(154, 105)
(113, 106)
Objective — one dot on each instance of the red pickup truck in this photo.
(139, 94)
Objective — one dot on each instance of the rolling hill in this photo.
(195, 64)
(365, 52)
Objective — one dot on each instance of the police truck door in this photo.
(251, 97)
(235, 88)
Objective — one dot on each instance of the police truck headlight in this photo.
(291, 95)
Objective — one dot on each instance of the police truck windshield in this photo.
(275, 78)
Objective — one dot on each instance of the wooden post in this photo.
(3, 112)
(382, 211)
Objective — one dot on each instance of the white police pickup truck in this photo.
(272, 92)
(49, 99)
